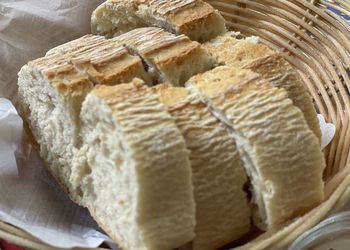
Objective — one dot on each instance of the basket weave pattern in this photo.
(315, 38)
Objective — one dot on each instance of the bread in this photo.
(247, 54)
(281, 155)
(194, 18)
(51, 90)
(104, 61)
(50, 93)
(133, 169)
(218, 177)
(162, 167)
(169, 58)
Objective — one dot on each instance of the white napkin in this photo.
(29, 28)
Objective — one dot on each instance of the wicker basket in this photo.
(316, 40)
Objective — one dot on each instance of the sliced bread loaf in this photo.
(218, 177)
(281, 155)
(194, 18)
(169, 58)
(247, 54)
(133, 169)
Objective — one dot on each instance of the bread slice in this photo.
(51, 90)
(247, 54)
(50, 93)
(281, 155)
(218, 177)
(169, 58)
(133, 169)
(195, 18)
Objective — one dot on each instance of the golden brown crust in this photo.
(104, 61)
(62, 74)
(150, 39)
(167, 7)
(230, 51)
(213, 84)
(78, 65)
(193, 15)
(124, 90)
(74, 46)
(170, 58)
(179, 53)
(171, 96)
(158, 45)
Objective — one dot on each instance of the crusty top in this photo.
(84, 42)
(100, 54)
(62, 74)
(165, 7)
(150, 39)
(90, 49)
(102, 61)
(118, 96)
(195, 13)
(224, 77)
(231, 51)
(159, 46)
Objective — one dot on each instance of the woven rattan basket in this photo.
(315, 38)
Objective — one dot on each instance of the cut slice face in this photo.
(169, 58)
(281, 155)
(247, 54)
(133, 169)
(194, 18)
(52, 111)
(218, 176)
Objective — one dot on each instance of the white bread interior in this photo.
(52, 111)
(169, 58)
(281, 155)
(218, 177)
(195, 18)
(248, 54)
(133, 169)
